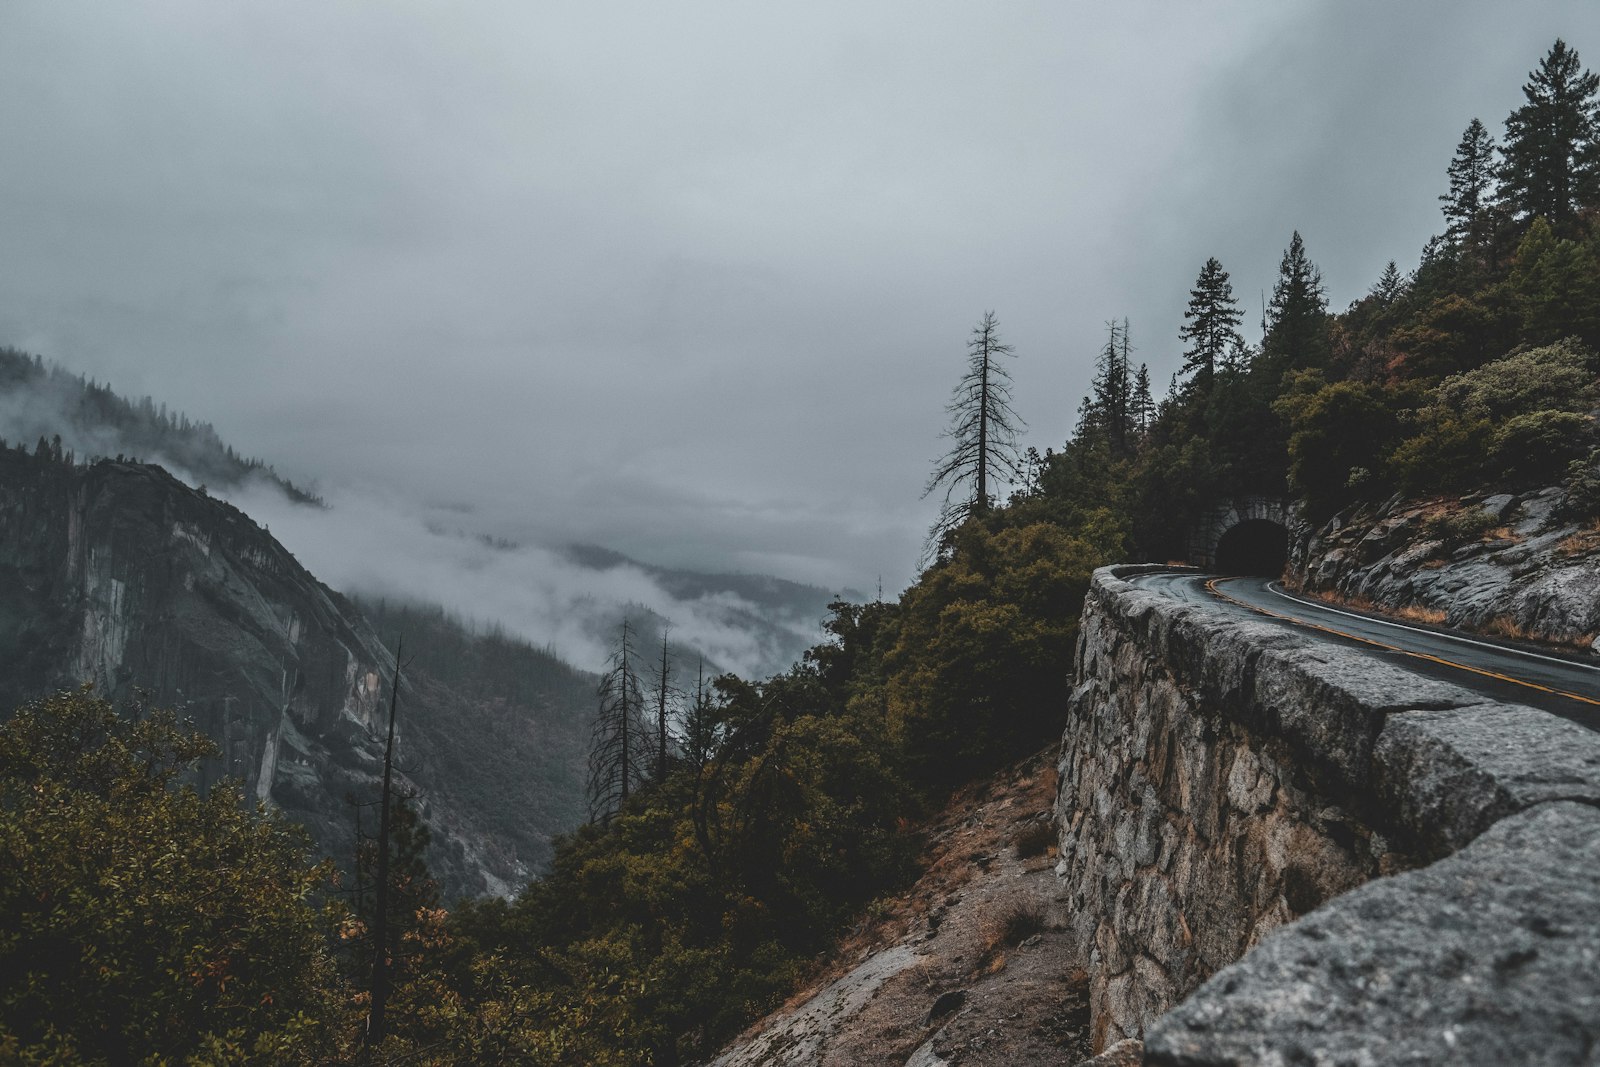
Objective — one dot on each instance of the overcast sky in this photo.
(693, 280)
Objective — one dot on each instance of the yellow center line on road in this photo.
(1211, 586)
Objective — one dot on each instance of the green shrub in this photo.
(1538, 447)
(1557, 377)
(143, 921)
(1459, 527)
(1582, 486)
(1449, 453)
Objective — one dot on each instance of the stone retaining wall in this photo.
(1221, 778)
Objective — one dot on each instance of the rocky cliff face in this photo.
(1502, 564)
(120, 575)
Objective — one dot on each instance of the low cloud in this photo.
(376, 545)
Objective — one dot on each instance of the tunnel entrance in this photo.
(1254, 546)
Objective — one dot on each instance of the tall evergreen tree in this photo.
(1390, 285)
(1472, 174)
(702, 729)
(1238, 357)
(1111, 394)
(617, 747)
(1125, 386)
(405, 888)
(1552, 159)
(1144, 404)
(983, 434)
(1211, 324)
(1297, 317)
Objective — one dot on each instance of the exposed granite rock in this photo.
(1534, 576)
(121, 575)
(890, 995)
(1491, 957)
(1126, 1053)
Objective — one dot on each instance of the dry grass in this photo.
(1505, 626)
(1411, 612)
(1581, 543)
(1036, 838)
(1020, 920)
(1420, 613)
(1508, 627)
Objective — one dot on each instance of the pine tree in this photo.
(1111, 393)
(1297, 317)
(616, 749)
(1144, 404)
(983, 431)
(1391, 284)
(1124, 380)
(1238, 358)
(1211, 324)
(1472, 173)
(407, 888)
(702, 730)
(1551, 156)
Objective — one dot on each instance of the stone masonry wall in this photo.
(1221, 778)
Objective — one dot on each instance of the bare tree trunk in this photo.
(661, 712)
(376, 1023)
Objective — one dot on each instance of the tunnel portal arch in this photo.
(1249, 535)
(1254, 546)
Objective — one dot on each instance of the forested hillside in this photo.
(1475, 370)
(695, 898)
(42, 401)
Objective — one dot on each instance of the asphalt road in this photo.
(1565, 686)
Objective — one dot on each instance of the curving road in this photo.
(1565, 686)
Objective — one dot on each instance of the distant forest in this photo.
(39, 399)
(706, 887)
(1477, 369)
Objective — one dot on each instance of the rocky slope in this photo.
(120, 575)
(1503, 564)
(969, 966)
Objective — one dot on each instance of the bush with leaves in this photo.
(1519, 418)
(1581, 499)
(1554, 377)
(1334, 430)
(1536, 448)
(142, 920)
(985, 648)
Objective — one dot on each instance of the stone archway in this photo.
(1254, 546)
(1249, 535)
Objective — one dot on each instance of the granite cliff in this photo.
(1510, 565)
(119, 575)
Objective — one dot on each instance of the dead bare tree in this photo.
(983, 434)
(616, 749)
(666, 696)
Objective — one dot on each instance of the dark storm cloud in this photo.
(693, 280)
